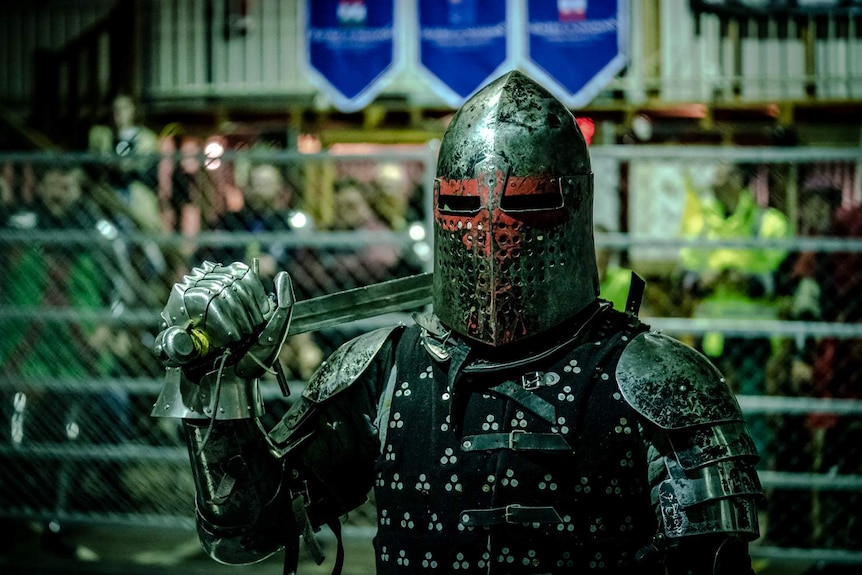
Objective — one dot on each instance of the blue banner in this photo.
(350, 48)
(575, 47)
(462, 45)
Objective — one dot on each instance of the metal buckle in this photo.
(532, 380)
(512, 434)
(300, 492)
(507, 514)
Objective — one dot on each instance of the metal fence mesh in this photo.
(84, 281)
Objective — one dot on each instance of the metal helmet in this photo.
(513, 215)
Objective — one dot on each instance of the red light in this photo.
(588, 128)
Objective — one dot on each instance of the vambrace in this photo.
(240, 498)
(711, 485)
(707, 500)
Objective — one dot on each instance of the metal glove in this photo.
(221, 316)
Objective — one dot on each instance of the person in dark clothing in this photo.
(266, 209)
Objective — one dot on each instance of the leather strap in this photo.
(338, 565)
(312, 545)
(509, 514)
(527, 399)
(516, 440)
(635, 295)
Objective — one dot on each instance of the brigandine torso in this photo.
(539, 469)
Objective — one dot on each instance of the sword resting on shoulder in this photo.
(360, 303)
(354, 304)
(180, 400)
(332, 309)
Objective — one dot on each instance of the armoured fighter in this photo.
(521, 425)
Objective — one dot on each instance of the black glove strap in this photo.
(302, 520)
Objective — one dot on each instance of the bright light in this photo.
(73, 430)
(213, 151)
(107, 229)
(422, 251)
(642, 127)
(298, 220)
(416, 232)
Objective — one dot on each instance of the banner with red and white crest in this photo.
(575, 47)
(350, 48)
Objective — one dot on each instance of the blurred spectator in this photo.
(394, 190)
(354, 265)
(266, 209)
(62, 273)
(196, 193)
(174, 203)
(131, 170)
(397, 199)
(800, 283)
(826, 287)
(7, 201)
(58, 274)
(186, 195)
(125, 184)
(731, 282)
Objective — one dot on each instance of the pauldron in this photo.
(336, 374)
(711, 485)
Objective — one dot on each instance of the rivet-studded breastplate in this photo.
(544, 475)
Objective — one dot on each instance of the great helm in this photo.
(513, 215)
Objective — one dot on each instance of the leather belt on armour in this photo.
(509, 514)
(523, 396)
(516, 440)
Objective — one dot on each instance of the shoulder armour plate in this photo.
(346, 364)
(673, 385)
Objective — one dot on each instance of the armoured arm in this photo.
(241, 500)
(701, 458)
(220, 332)
(707, 512)
(258, 491)
(328, 440)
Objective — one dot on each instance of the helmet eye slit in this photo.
(452, 204)
(531, 203)
(532, 195)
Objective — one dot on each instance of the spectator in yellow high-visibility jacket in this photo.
(728, 282)
(731, 281)
(730, 212)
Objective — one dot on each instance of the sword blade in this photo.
(360, 303)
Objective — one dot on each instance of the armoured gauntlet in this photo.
(220, 332)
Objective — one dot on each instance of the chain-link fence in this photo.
(765, 283)
(90, 249)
